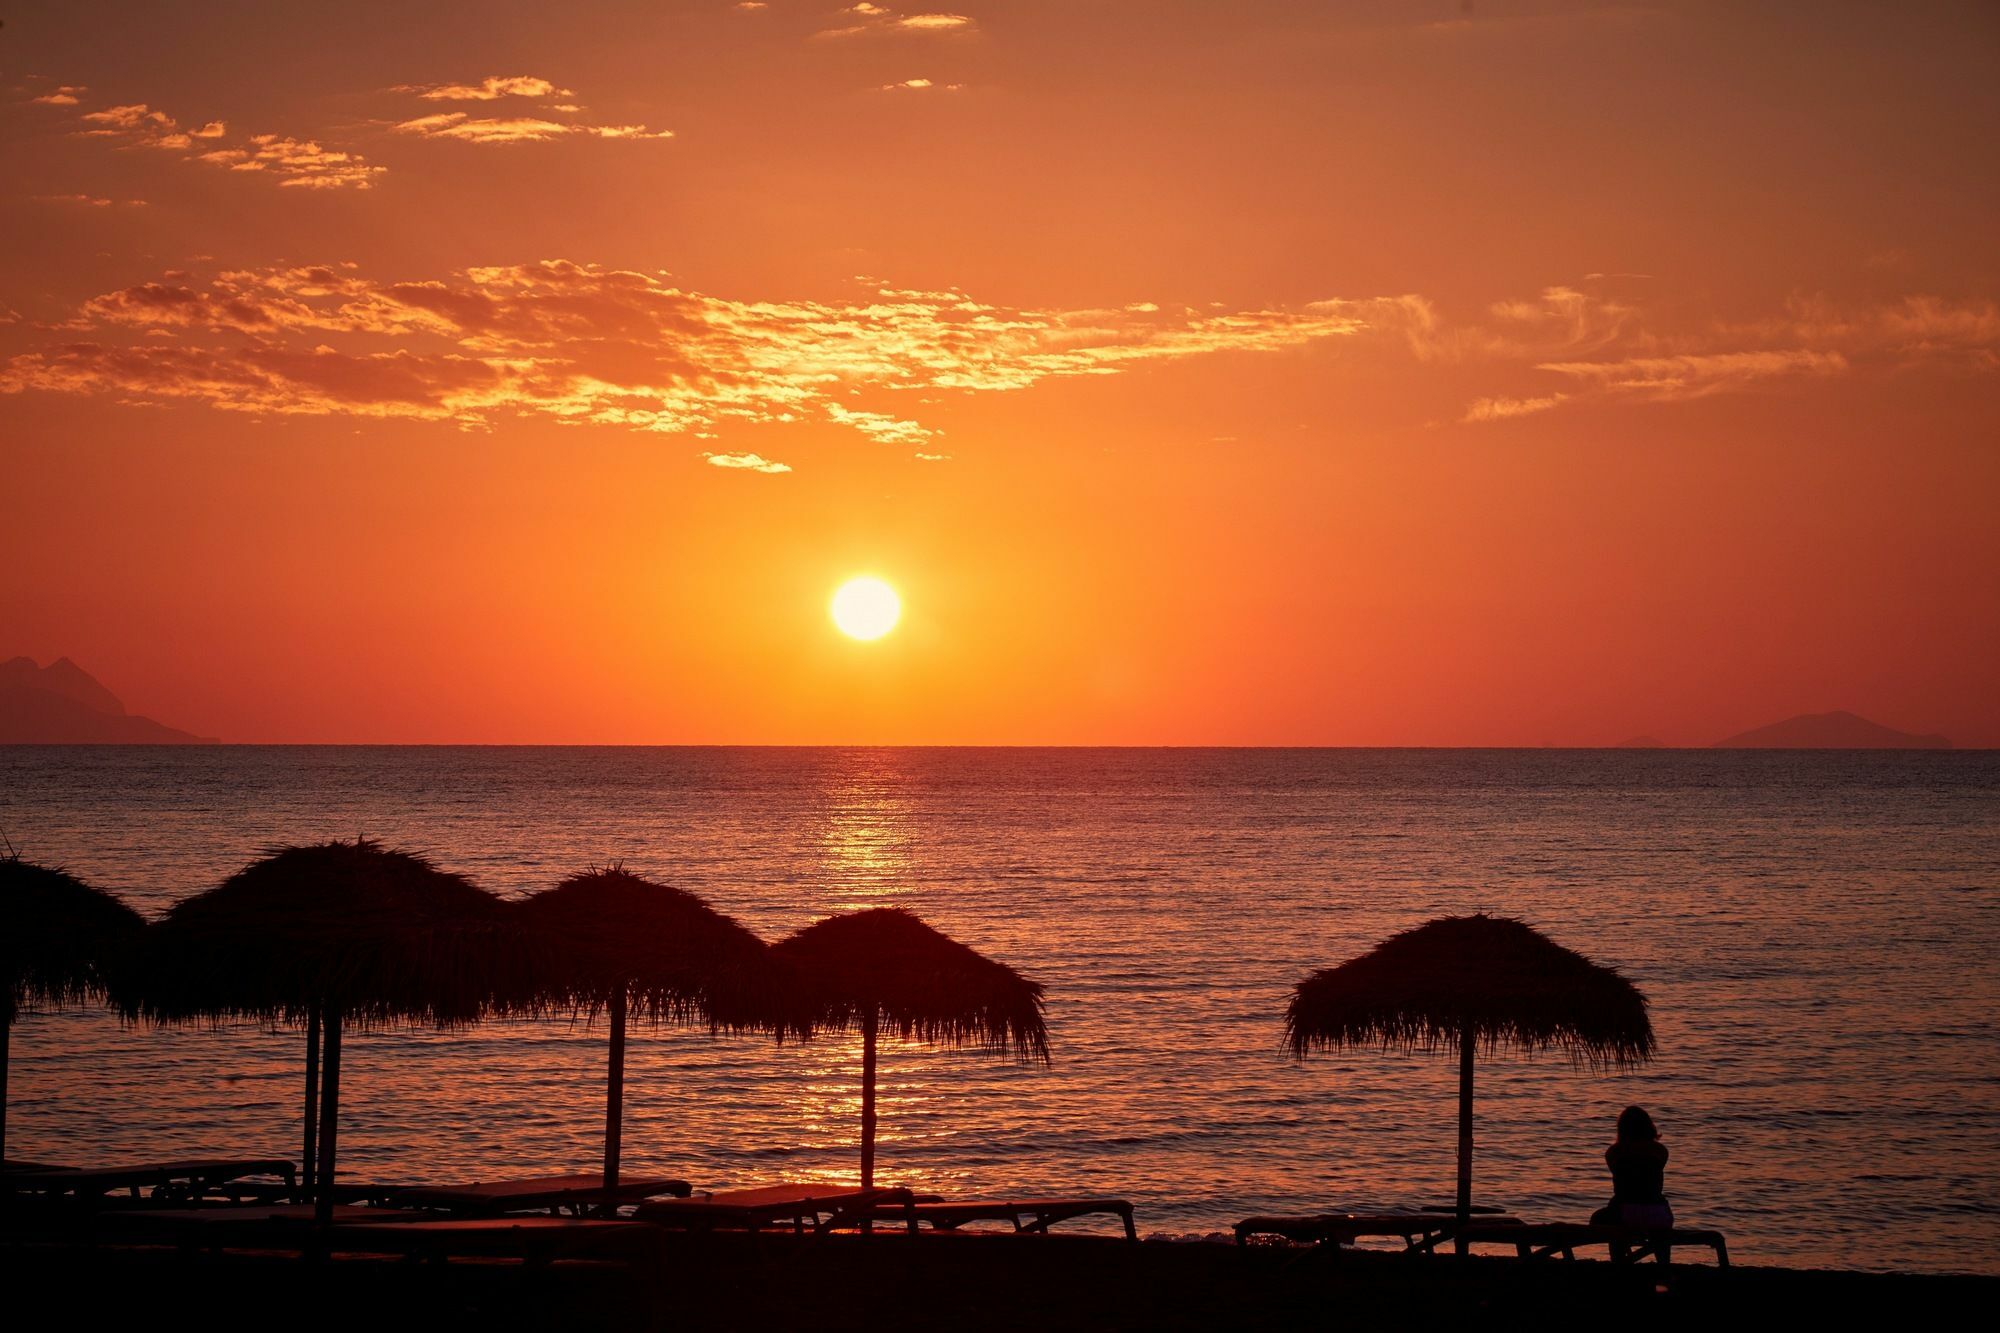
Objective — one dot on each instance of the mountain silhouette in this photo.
(62, 704)
(1830, 731)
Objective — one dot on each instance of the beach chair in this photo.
(1421, 1232)
(797, 1208)
(251, 1226)
(1026, 1216)
(1626, 1245)
(533, 1241)
(174, 1181)
(575, 1195)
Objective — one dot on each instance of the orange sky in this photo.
(1374, 373)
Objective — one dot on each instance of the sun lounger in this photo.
(1420, 1232)
(532, 1240)
(178, 1180)
(1028, 1216)
(799, 1208)
(552, 1194)
(283, 1226)
(1626, 1245)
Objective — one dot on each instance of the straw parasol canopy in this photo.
(327, 935)
(59, 938)
(1469, 982)
(619, 942)
(886, 968)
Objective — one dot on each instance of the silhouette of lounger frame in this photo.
(533, 1241)
(1028, 1216)
(1420, 1232)
(817, 1209)
(235, 1226)
(576, 1194)
(175, 1180)
(1626, 1245)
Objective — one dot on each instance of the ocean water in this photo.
(1819, 934)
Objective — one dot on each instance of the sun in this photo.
(865, 608)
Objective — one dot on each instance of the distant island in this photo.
(1838, 730)
(62, 704)
(1830, 731)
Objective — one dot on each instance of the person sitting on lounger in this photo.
(1638, 1162)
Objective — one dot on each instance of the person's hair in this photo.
(1635, 1126)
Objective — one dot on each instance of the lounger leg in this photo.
(1131, 1227)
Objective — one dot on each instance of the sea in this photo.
(1818, 934)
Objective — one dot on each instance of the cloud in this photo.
(586, 345)
(301, 163)
(297, 162)
(590, 345)
(861, 19)
(489, 89)
(1669, 378)
(880, 426)
(468, 128)
(1608, 351)
(89, 200)
(518, 129)
(921, 86)
(1499, 409)
(139, 124)
(66, 95)
(749, 462)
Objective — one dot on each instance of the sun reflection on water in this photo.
(867, 842)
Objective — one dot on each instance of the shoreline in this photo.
(956, 1281)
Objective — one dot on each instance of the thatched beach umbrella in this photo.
(1466, 982)
(324, 936)
(885, 967)
(58, 939)
(618, 942)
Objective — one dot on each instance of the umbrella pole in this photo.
(614, 1091)
(6, 1038)
(312, 1101)
(1465, 1053)
(868, 1101)
(329, 1118)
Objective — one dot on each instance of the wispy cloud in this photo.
(747, 462)
(489, 89)
(297, 162)
(921, 86)
(302, 163)
(138, 123)
(89, 201)
(862, 19)
(880, 425)
(589, 345)
(517, 129)
(1610, 351)
(1668, 378)
(1500, 409)
(66, 95)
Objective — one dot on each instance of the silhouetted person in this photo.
(1638, 1162)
